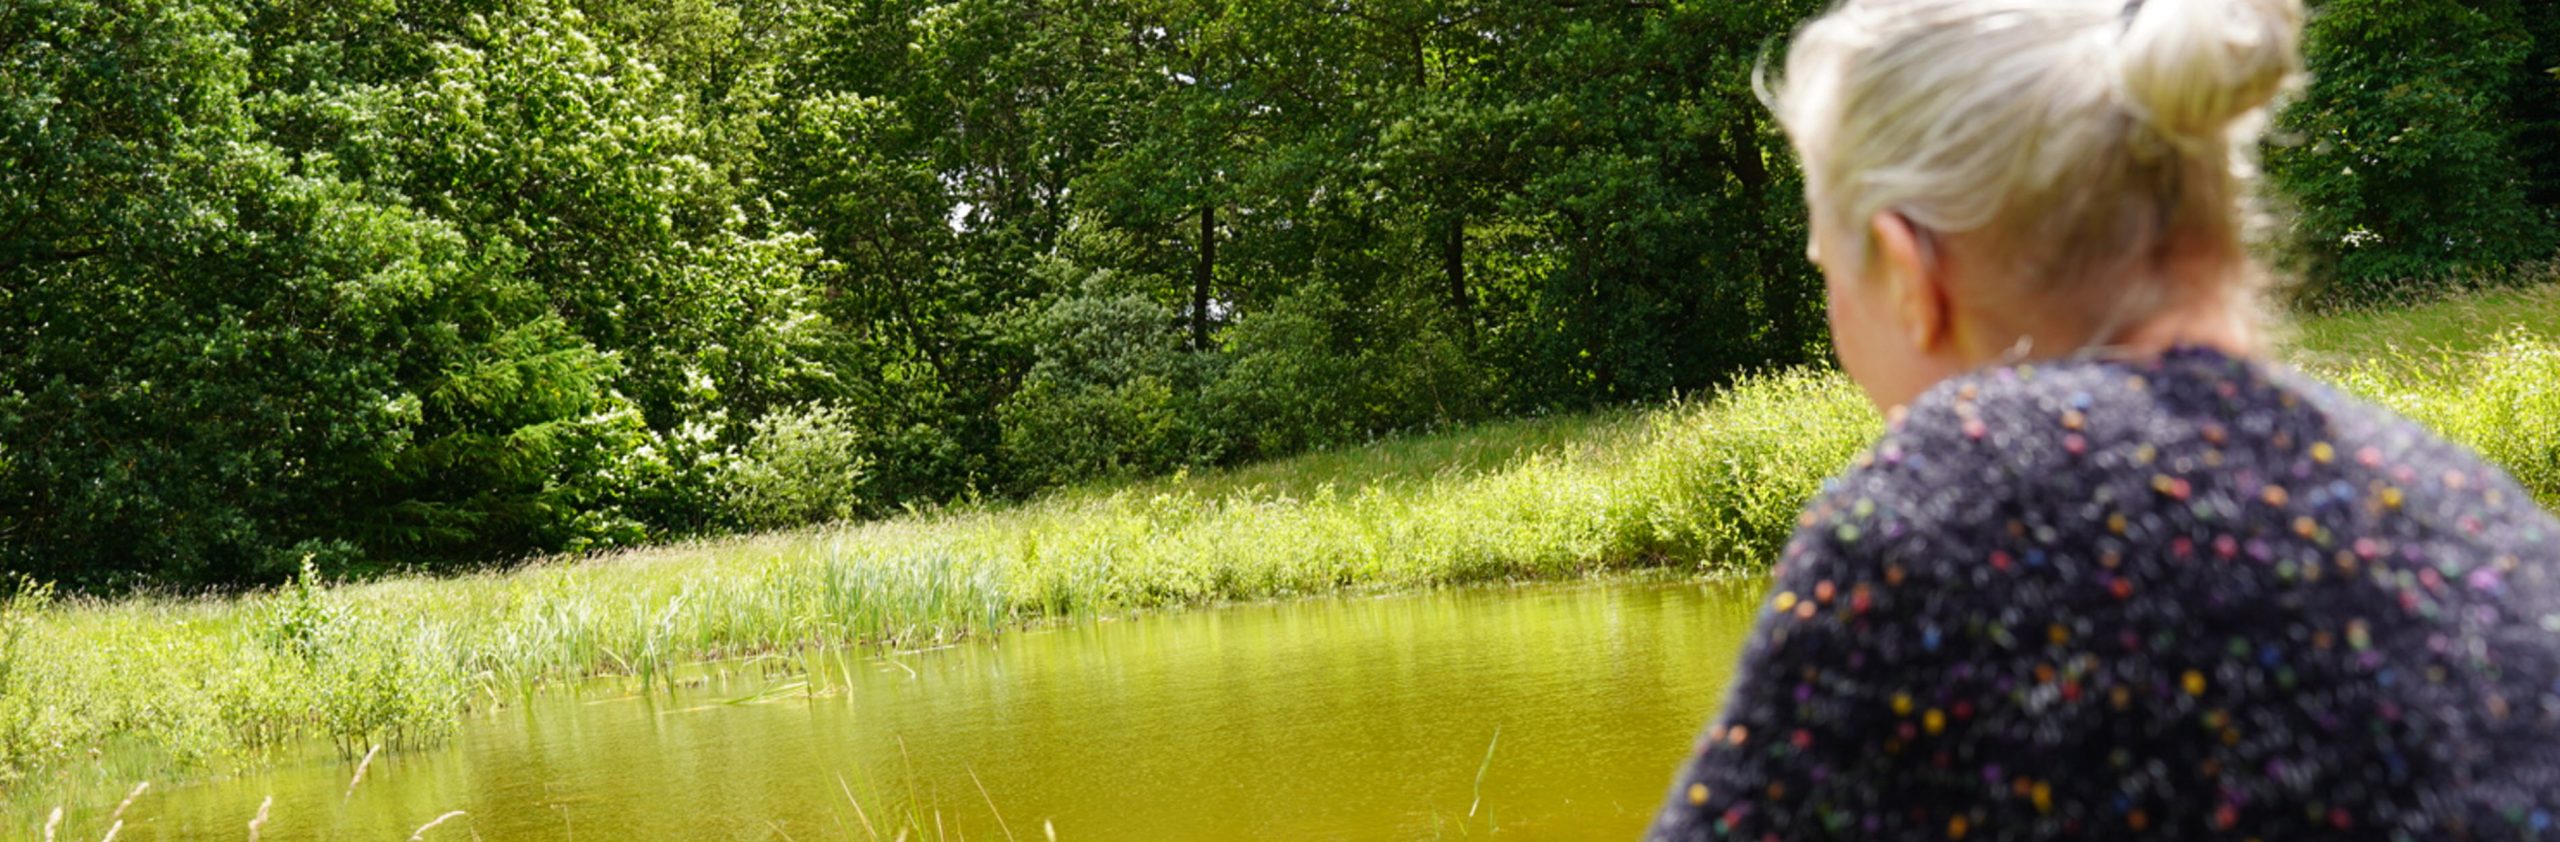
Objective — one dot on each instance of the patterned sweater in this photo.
(2190, 597)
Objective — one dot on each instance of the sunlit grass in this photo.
(1401, 460)
(1705, 486)
(2423, 333)
(2503, 401)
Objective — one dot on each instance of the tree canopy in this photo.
(433, 283)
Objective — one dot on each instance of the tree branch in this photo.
(20, 255)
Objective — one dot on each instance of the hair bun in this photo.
(2194, 67)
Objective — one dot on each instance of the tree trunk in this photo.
(1748, 167)
(1453, 260)
(1780, 291)
(1200, 277)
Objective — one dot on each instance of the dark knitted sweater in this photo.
(2183, 598)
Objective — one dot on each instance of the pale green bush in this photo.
(800, 466)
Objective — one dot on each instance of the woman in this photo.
(2110, 574)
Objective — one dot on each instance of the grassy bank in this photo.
(1706, 486)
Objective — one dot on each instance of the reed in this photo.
(258, 823)
(361, 766)
(118, 816)
(421, 835)
(991, 805)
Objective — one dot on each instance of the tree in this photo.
(2397, 166)
(444, 282)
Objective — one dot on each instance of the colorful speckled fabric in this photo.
(2185, 598)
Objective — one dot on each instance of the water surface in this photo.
(1350, 719)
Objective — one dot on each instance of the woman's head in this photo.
(1986, 175)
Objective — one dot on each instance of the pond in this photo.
(1546, 712)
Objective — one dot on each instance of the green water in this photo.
(1354, 719)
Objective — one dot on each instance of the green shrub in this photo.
(303, 623)
(1112, 395)
(364, 679)
(1289, 388)
(1313, 371)
(799, 466)
(1719, 486)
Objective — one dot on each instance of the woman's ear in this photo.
(1915, 279)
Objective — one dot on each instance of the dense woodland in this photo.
(435, 283)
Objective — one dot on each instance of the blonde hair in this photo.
(2086, 142)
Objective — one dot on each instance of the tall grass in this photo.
(2417, 332)
(2502, 401)
(1709, 486)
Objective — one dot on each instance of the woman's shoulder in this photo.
(1998, 438)
(2097, 455)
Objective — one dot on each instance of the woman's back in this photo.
(2185, 596)
(2146, 586)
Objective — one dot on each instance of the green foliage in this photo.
(1308, 373)
(432, 298)
(798, 466)
(435, 286)
(304, 622)
(2402, 163)
(1289, 389)
(363, 683)
(1113, 393)
(2535, 105)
